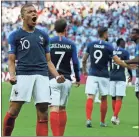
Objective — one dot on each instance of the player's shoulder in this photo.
(14, 33)
(125, 51)
(92, 43)
(69, 41)
(40, 31)
(99, 42)
(54, 38)
(64, 40)
(121, 49)
(108, 44)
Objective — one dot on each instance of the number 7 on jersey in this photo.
(60, 59)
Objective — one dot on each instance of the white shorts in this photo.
(117, 88)
(36, 86)
(59, 92)
(93, 84)
(137, 85)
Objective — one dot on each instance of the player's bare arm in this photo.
(133, 61)
(76, 67)
(120, 62)
(84, 61)
(11, 66)
(52, 69)
(130, 75)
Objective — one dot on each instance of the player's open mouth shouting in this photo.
(34, 20)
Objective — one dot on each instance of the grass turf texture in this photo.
(26, 121)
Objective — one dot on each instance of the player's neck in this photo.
(28, 28)
(103, 39)
(60, 34)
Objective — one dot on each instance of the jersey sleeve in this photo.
(47, 50)
(75, 63)
(47, 41)
(11, 44)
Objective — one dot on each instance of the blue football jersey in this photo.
(62, 52)
(100, 53)
(30, 50)
(117, 73)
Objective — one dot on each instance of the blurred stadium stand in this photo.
(84, 18)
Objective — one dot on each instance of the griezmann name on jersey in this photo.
(100, 53)
(117, 73)
(30, 50)
(62, 52)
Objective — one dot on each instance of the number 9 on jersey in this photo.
(97, 55)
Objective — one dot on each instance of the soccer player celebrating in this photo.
(135, 38)
(100, 53)
(118, 80)
(63, 51)
(30, 78)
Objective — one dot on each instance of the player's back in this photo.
(61, 50)
(100, 53)
(117, 73)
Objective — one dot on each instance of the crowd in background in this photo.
(83, 18)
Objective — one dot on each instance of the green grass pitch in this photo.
(25, 123)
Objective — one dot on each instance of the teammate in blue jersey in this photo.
(30, 78)
(118, 80)
(62, 51)
(135, 38)
(100, 53)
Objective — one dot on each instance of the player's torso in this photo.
(30, 52)
(117, 73)
(61, 54)
(99, 57)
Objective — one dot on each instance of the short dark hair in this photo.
(119, 40)
(23, 8)
(60, 25)
(101, 31)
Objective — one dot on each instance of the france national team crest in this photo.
(41, 38)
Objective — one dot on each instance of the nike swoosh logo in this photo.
(23, 38)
